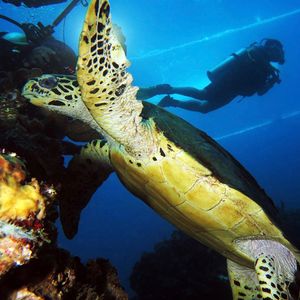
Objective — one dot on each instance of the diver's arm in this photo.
(149, 92)
(193, 105)
(146, 93)
(189, 92)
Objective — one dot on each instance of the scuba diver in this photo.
(33, 3)
(244, 73)
(35, 47)
(22, 59)
(47, 54)
(34, 51)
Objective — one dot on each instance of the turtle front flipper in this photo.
(104, 82)
(85, 173)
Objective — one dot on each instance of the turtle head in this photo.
(59, 93)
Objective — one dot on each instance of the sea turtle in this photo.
(176, 169)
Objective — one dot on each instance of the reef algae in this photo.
(22, 214)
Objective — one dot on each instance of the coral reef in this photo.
(36, 137)
(291, 222)
(16, 79)
(57, 275)
(22, 215)
(31, 265)
(180, 268)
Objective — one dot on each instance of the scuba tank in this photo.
(35, 34)
(227, 66)
(268, 50)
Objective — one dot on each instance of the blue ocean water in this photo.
(176, 42)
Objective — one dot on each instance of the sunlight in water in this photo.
(260, 125)
(259, 22)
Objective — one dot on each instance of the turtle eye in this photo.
(48, 83)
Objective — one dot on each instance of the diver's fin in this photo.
(85, 173)
(243, 281)
(271, 282)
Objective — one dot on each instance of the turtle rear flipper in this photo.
(85, 173)
(273, 284)
(265, 281)
(243, 281)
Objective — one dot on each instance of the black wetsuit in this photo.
(249, 73)
(12, 56)
(244, 74)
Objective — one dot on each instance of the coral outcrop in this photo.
(57, 275)
(22, 214)
(32, 267)
(36, 137)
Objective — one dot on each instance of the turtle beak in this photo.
(31, 95)
(36, 101)
(33, 99)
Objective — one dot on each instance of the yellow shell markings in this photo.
(198, 203)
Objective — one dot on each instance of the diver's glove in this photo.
(40, 57)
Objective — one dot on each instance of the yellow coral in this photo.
(18, 201)
(24, 294)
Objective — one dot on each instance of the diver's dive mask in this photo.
(274, 50)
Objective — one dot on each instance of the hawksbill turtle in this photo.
(176, 169)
